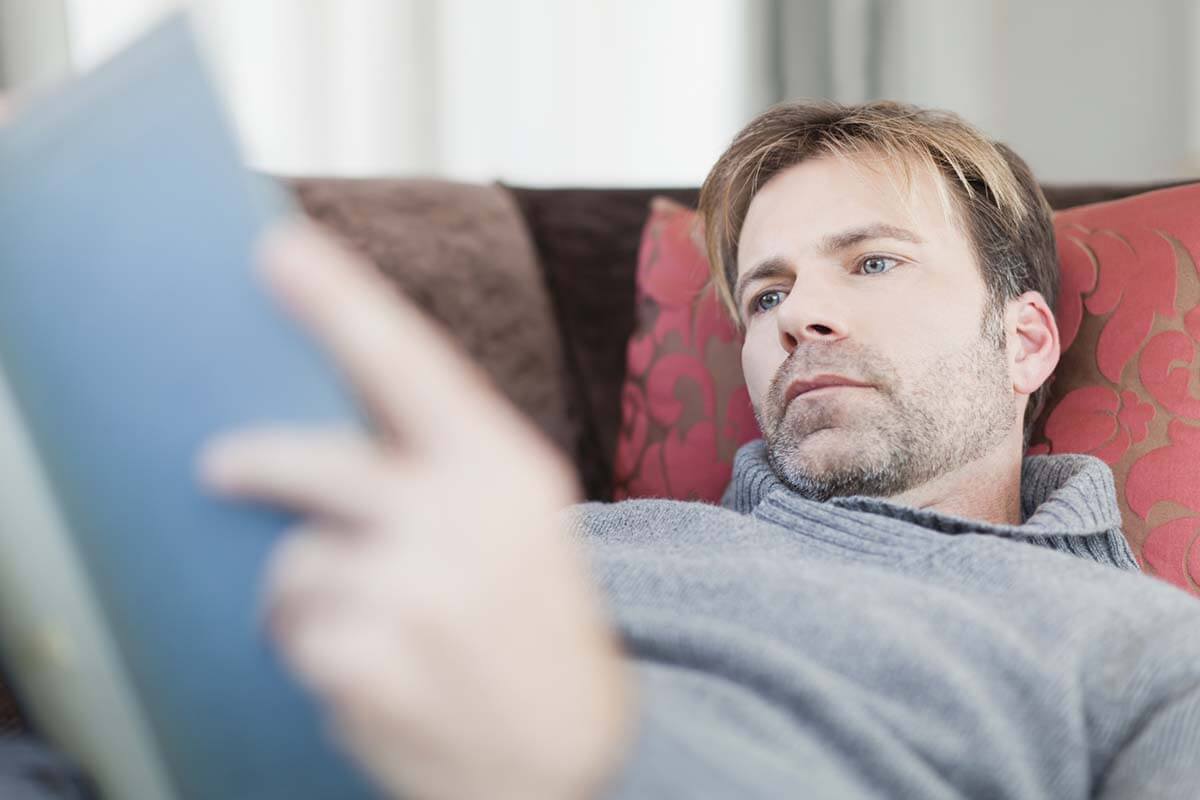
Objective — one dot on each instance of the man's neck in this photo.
(987, 489)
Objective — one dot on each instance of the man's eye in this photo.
(766, 301)
(877, 265)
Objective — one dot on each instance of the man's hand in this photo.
(428, 597)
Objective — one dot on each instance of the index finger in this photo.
(412, 378)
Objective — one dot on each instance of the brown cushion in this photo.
(463, 254)
(587, 240)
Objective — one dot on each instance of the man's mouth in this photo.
(819, 384)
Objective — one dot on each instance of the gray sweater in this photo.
(860, 648)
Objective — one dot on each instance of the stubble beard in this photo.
(906, 433)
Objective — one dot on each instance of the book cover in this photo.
(131, 330)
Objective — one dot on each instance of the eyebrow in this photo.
(837, 242)
(777, 267)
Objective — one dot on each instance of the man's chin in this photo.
(828, 443)
(828, 462)
(827, 447)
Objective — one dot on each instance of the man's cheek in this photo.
(758, 386)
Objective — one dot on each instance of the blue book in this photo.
(132, 329)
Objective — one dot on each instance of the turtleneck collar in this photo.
(1061, 495)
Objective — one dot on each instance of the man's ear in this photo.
(1034, 346)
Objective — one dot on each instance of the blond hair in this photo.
(985, 186)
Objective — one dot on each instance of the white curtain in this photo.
(1085, 90)
(628, 92)
(33, 42)
(596, 92)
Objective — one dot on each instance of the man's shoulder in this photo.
(1052, 575)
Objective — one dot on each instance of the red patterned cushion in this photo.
(1127, 389)
(685, 409)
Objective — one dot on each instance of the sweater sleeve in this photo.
(1162, 759)
(1156, 749)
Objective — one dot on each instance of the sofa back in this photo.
(537, 285)
(587, 243)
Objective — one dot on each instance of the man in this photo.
(883, 606)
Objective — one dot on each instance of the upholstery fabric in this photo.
(461, 252)
(1126, 389)
(685, 409)
(587, 240)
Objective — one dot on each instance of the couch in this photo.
(535, 284)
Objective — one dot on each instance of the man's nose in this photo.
(816, 315)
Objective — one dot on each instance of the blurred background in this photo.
(648, 92)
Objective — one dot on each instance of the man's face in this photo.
(846, 278)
